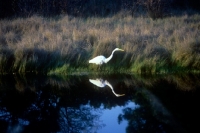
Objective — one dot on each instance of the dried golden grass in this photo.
(148, 44)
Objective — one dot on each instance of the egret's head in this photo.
(119, 49)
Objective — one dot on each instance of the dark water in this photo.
(99, 104)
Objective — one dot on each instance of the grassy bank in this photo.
(65, 44)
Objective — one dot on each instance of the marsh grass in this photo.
(65, 44)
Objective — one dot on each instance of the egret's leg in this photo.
(99, 68)
(102, 66)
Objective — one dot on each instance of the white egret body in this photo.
(99, 60)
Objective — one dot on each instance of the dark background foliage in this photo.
(86, 8)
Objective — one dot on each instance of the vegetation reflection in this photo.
(71, 104)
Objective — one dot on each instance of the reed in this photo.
(65, 44)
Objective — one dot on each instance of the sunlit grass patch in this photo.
(60, 70)
(188, 56)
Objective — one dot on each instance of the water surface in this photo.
(99, 103)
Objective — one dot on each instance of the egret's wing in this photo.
(97, 82)
(98, 60)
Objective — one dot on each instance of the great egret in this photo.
(99, 60)
(102, 83)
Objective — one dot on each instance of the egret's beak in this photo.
(121, 49)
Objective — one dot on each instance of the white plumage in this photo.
(99, 60)
(102, 83)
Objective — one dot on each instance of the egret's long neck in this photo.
(108, 84)
(110, 57)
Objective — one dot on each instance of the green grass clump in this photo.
(60, 70)
(65, 44)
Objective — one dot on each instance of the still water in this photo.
(99, 104)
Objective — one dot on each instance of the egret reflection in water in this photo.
(102, 83)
